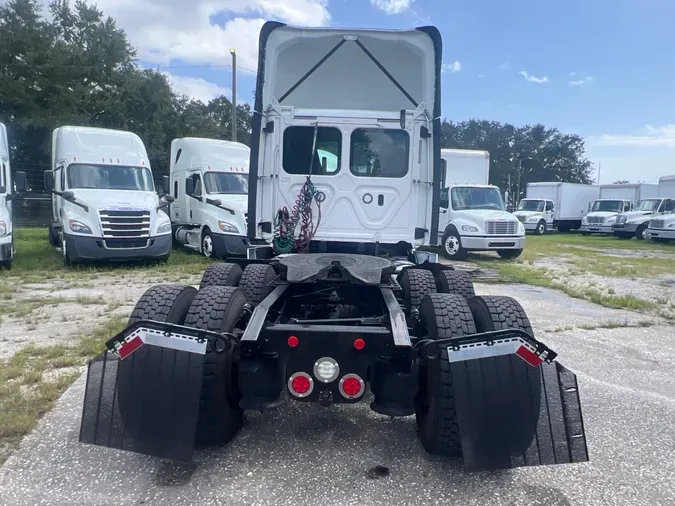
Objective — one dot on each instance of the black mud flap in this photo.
(142, 394)
(515, 405)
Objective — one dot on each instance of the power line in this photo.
(156, 67)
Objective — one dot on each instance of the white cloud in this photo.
(453, 67)
(505, 66)
(650, 137)
(533, 79)
(197, 88)
(580, 82)
(572, 74)
(164, 30)
(481, 76)
(392, 6)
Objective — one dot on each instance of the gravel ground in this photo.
(307, 455)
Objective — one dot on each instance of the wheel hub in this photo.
(452, 245)
(207, 246)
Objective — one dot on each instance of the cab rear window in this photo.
(297, 156)
(376, 152)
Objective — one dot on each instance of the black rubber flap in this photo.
(315, 266)
(511, 414)
(147, 403)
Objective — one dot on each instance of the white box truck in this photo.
(614, 200)
(7, 195)
(209, 181)
(559, 205)
(472, 215)
(104, 205)
(661, 227)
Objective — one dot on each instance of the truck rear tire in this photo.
(442, 315)
(509, 253)
(221, 274)
(164, 303)
(255, 281)
(452, 246)
(456, 282)
(517, 411)
(416, 284)
(218, 309)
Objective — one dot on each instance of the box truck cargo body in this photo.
(570, 203)
(661, 227)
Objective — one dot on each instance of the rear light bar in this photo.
(352, 386)
(300, 384)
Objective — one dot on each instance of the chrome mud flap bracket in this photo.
(142, 393)
(515, 405)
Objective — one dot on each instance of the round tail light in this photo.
(352, 386)
(300, 384)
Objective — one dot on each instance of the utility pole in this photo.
(234, 94)
(599, 167)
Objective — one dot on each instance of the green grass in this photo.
(25, 393)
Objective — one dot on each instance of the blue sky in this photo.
(599, 68)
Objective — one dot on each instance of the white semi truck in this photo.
(549, 205)
(614, 200)
(209, 182)
(661, 227)
(7, 195)
(472, 215)
(104, 205)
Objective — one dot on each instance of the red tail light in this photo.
(293, 341)
(352, 386)
(359, 344)
(300, 384)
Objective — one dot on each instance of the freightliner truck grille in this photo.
(125, 229)
(657, 224)
(501, 227)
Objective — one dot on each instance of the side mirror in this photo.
(168, 198)
(49, 180)
(189, 186)
(20, 182)
(68, 195)
(165, 184)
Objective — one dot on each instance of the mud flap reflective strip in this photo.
(512, 415)
(160, 338)
(147, 404)
(499, 347)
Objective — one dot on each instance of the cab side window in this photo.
(549, 206)
(668, 206)
(198, 185)
(626, 207)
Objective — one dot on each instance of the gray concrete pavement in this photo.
(307, 455)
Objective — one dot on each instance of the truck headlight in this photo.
(3, 228)
(164, 228)
(672, 225)
(533, 218)
(469, 228)
(610, 221)
(226, 226)
(78, 227)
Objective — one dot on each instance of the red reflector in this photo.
(300, 384)
(351, 387)
(529, 356)
(130, 347)
(359, 344)
(293, 341)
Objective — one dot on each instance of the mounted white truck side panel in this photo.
(212, 220)
(667, 187)
(376, 143)
(104, 205)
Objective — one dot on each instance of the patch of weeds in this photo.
(25, 394)
(85, 300)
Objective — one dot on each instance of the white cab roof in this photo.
(209, 154)
(98, 146)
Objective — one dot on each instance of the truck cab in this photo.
(536, 215)
(603, 214)
(209, 181)
(635, 223)
(661, 228)
(104, 204)
(7, 194)
(472, 212)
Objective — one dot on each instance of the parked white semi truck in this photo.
(209, 181)
(7, 195)
(661, 227)
(614, 200)
(559, 205)
(472, 214)
(104, 203)
(636, 223)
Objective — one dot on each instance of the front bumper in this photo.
(597, 229)
(493, 242)
(96, 248)
(6, 248)
(625, 228)
(230, 245)
(661, 233)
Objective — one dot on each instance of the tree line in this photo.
(77, 67)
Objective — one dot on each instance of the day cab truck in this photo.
(104, 204)
(209, 184)
(472, 214)
(614, 200)
(8, 194)
(335, 302)
(558, 205)
(661, 227)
